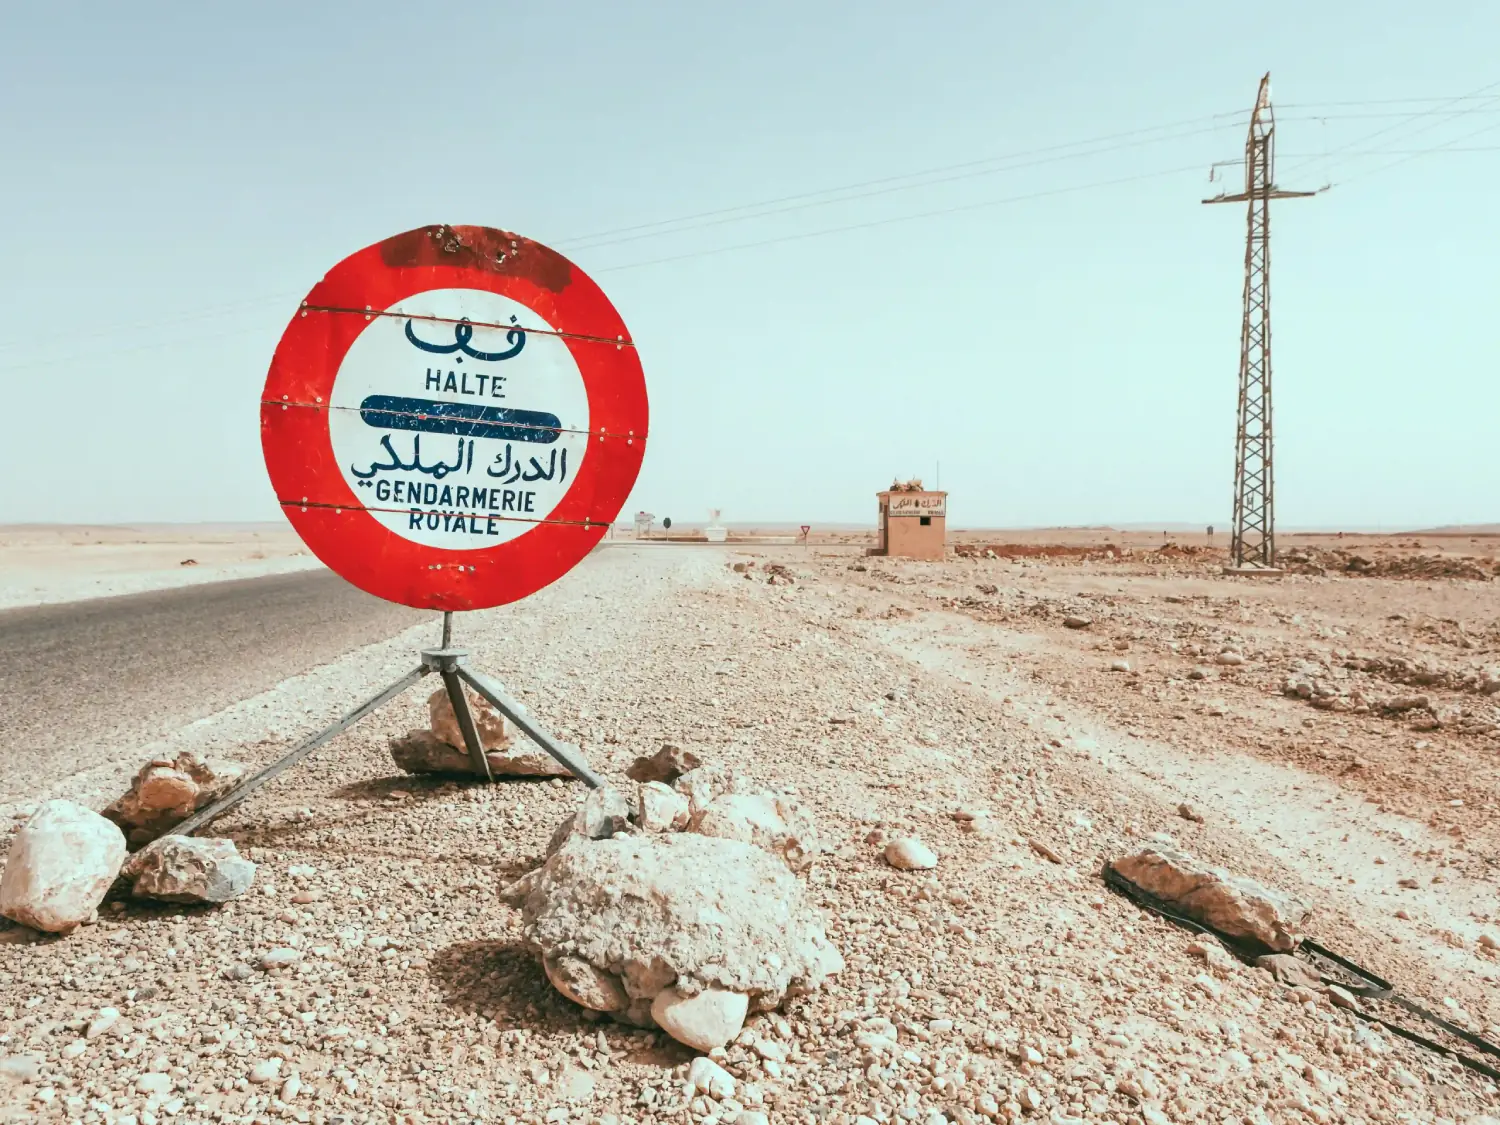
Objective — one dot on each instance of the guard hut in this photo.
(913, 522)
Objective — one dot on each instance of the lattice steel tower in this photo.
(1253, 531)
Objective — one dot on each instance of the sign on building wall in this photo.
(918, 504)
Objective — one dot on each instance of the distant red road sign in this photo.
(805, 529)
(454, 417)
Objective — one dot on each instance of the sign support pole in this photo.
(450, 665)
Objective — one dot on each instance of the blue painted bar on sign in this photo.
(465, 419)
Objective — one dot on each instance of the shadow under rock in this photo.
(503, 981)
(419, 787)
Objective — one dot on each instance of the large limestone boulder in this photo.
(61, 864)
(166, 791)
(681, 931)
(422, 751)
(187, 869)
(495, 731)
(1227, 903)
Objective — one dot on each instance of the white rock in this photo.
(708, 1077)
(266, 1071)
(189, 869)
(695, 911)
(1229, 659)
(21, 1068)
(1119, 665)
(909, 854)
(61, 865)
(106, 1019)
(291, 1088)
(154, 1083)
(704, 1022)
(279, 958)
(660, 808)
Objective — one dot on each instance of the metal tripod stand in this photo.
(449, 663)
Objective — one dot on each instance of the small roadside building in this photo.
(913, 522)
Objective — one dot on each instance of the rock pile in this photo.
(440, 748)
(679, 909)
(166, 791)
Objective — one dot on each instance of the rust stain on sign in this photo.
(497, 251)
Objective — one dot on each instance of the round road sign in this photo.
(454, 417)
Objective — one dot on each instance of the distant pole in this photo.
(1253, 532)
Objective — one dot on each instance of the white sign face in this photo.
(917, 504)
(455, 434)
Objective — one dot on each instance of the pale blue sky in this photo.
(176, 176)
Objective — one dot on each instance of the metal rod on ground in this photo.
(508, 707)
(465, 717)
(251, 784)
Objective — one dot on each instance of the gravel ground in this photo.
(373, 975)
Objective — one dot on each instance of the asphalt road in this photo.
(79, 677)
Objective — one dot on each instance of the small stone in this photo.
(660, 808)
(708, 1077)
(1077, 621)
(1119, 665)
(751, 1117)
(1488, 941)
(154, 1083)
(103, 1022)
(665, 766)
(279, 958)
(1229, 659)
(585, 985)
(74, 1049)
(1043, 850)
(291, 1088)
(1288, 969)
(267, 1071)
(1187, 812)
(21, 1068)
(708, 1020)
(909, 854)
(238, 972)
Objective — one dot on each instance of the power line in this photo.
(1216, 117)
(1438, 109)
(890, 190)
(901, 219)
(1414, 154)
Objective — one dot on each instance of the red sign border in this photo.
(325, 511)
